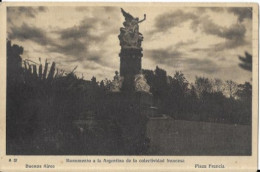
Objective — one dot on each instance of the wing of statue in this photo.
(128, 17)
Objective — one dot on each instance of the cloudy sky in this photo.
(197, 41)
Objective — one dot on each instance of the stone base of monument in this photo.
(131, 111)
(139, 94)
(136, 83)
(140, 100)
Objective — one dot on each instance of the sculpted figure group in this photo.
(129, 35)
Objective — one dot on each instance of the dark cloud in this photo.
(164, 56)
(169, 20)
(95, 58)
(184, 44)
(201, 9)
(85, 30)
(70, 47)
(203, 65)
(75, 32)
(90, 66)
(241, 12)
(215, 51)
(214, 9)
(173, 19)
(26, 11)
(75, 41)
(111, 9)
(72, 42)
(170, 58)
(42, 9)
(18, 13)
(198, 49)
(235, 31)
(76, 49)
(26, 32)
(234, 35)
(229, 44)
(99, 59)
(108, 9)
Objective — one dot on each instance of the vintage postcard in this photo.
(129, 86)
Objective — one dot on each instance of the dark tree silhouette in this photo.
(246, 62)
(102, 85)
(244, 92)
(218, 85)
(14, 62)
(203, 85)
(94, 80)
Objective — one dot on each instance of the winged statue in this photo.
(130, 36)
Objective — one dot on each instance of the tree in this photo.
(14, 62)
(157, 80)
(176, 92)
(149, 76)
(231, 88)
(181, 81)
(102, 85)
(192, 92)
(94, 80)
(246, 62)
(244, 92)
(107, 84)
(203, 85)
(218, 85)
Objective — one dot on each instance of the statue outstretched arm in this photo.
(143, 19)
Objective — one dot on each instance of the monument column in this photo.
(131, 51)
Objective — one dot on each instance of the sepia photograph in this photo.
(129, 80)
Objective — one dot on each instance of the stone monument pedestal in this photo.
(142, 101)
(131, 114)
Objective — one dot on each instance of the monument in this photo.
(131, 78)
